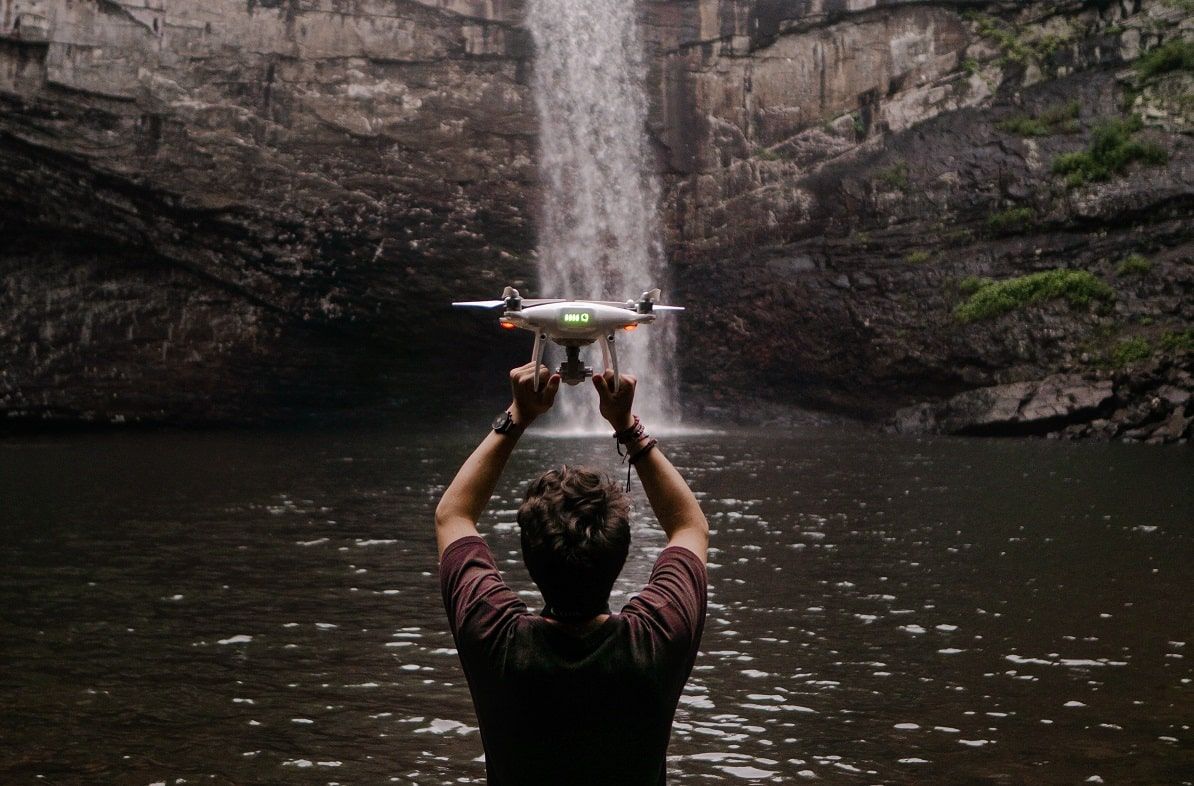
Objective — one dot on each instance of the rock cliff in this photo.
(217, 211)
(227, 210)
(850, 182)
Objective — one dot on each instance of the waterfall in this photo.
(599, 234)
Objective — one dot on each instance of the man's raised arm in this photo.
(674, 504)
(466, 496)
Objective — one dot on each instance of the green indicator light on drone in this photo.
(575, 319)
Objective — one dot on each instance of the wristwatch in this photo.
(504, 424)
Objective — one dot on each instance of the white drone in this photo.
(573, 324)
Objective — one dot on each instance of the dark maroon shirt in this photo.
(559, 707)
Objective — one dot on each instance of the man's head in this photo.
(575, 536)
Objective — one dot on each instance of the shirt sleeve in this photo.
(674, 601)
(476, 598)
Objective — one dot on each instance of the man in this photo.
(574, 695)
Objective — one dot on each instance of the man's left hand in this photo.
(529, 403)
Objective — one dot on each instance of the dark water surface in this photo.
(263, 608)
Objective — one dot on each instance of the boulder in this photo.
(1019, 408)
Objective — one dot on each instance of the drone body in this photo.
(573, 324)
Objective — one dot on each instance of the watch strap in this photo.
(505, 424)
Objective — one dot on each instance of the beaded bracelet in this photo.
(644, 450)
(630, 436)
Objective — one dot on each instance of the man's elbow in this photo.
(444, 512)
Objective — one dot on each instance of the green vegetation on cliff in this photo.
(1017, 47)
(1112, 148)
(1134, 265)
(1011, 220)
(989, 298)
(895, 177)
(1178, 341)
(1139, 348)
(1173, 55)
(1062, 119)
(1133, 350)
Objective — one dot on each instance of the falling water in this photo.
(599, 233)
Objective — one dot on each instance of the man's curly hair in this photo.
(575, 531)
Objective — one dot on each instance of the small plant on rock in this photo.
(1016, 47)
(1177, 341)
(1062, 119)
(1134, 265)
(1175, 55)
(895, 177)
(1112, 148)
(1133, 350)
(1011, 220)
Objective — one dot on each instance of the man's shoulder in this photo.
(672, 604)
(463, 548)
(477, 599)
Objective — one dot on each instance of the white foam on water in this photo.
(749, 773)
(446, 726)
(1054, 660)
(240, 638)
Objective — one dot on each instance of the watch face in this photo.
(502, 422)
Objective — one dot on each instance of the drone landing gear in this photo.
(572, 370)
(610, 355)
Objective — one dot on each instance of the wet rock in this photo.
(1177, 427)
(1036, 407)
(1071, 406)
(1177, 397)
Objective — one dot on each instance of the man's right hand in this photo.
(616, 405)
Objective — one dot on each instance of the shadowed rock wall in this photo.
(217, 210)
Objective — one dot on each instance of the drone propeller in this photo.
(648, 303)
(480, 303)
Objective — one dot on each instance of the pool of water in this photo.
(262, 607)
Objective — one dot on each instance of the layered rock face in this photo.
(844, 175)
(214, 211)
(219, 211)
